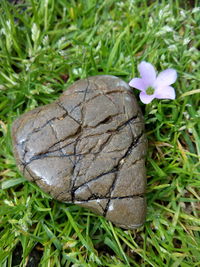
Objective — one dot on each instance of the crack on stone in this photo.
(79, 131)
(110, 99)
(117, 129)
(92, 98)
(57, 143)
(35, 131)
(93, 196)
(67, 113)
(113, 170)
(59, 149)
(45, 153)
(110, 198)
(77, 144)
(129, 150)
(34, 178)
(48, 155)
(86, 90)
(133, 145)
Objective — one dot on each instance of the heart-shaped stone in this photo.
(88, 148)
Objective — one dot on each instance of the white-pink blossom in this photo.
(152, 86)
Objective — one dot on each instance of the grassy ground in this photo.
(44, 47)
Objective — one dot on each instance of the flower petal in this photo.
(138, 84)
(147, 73)
(166, 77)
(146, 99)
(166, 92)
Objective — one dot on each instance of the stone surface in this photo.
(88, 148)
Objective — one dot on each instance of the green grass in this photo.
(47, 45)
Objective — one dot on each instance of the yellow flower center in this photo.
(150, 90)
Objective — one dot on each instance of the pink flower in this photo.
(154, 87)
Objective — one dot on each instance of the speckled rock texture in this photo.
(88, 148)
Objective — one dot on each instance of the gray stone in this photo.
(88, 148)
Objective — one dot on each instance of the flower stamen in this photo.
(150, 90)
